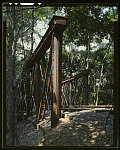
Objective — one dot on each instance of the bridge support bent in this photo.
(56, 78)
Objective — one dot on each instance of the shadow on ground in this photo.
(83, 129)
(76, 129)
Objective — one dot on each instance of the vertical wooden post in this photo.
(59, 24)
(116, 84)
(32, 83)
(4, 84)
(37, 87)
(86, 89)
(56, 78)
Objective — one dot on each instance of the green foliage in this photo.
(84, 23)
(24, 29)
(93, 24)
(87, 22)
(106, 87)
(113, 15)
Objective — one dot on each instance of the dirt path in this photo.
(82, 128)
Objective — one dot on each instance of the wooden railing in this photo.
(40, 81)
(72, 89)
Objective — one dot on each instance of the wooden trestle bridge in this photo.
(41, 84)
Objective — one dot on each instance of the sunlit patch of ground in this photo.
(76, 129)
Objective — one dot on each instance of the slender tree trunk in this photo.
(9, 80)
(88, 54)
(22, 39)
(94, 88)
(101, 75)
(14, 80)
(11, 107)
(86, 79)
(32, 40)
(70, 93)
(23, 46)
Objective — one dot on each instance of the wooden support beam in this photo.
(31, 90)
(56, 78)
(48, 88)
(44, 63)
(76, 76)
(41, 70)
(43, 89)
(64, 95)
(88, 106)
(54, 33)
(31, 83)
(43, 67)
(37, 89)
(55, 24)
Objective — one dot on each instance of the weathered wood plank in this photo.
(76, 76)
(56, 78)
(48, 88)
(37, 87)
(43, 89)
(46, 40)
(87, 106)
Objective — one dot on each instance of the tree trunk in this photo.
(70, 98)
(101, 75)
(86, 89)
(11, 104)
(88, 54)
(22, 37)
(4, 81)
(86, 67)
(94, 89)
(32, 40)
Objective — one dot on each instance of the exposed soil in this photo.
(80, 128)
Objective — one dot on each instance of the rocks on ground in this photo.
(81, 128)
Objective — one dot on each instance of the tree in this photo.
(19, 30)
(92, 24)
(11, 82)
(86, 24)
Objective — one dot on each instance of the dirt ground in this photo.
(80, 128)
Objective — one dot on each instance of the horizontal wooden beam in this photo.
(88, 106)
(57, 23)
(76, 76)
(84, 106)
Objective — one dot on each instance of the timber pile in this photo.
(80, 128)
